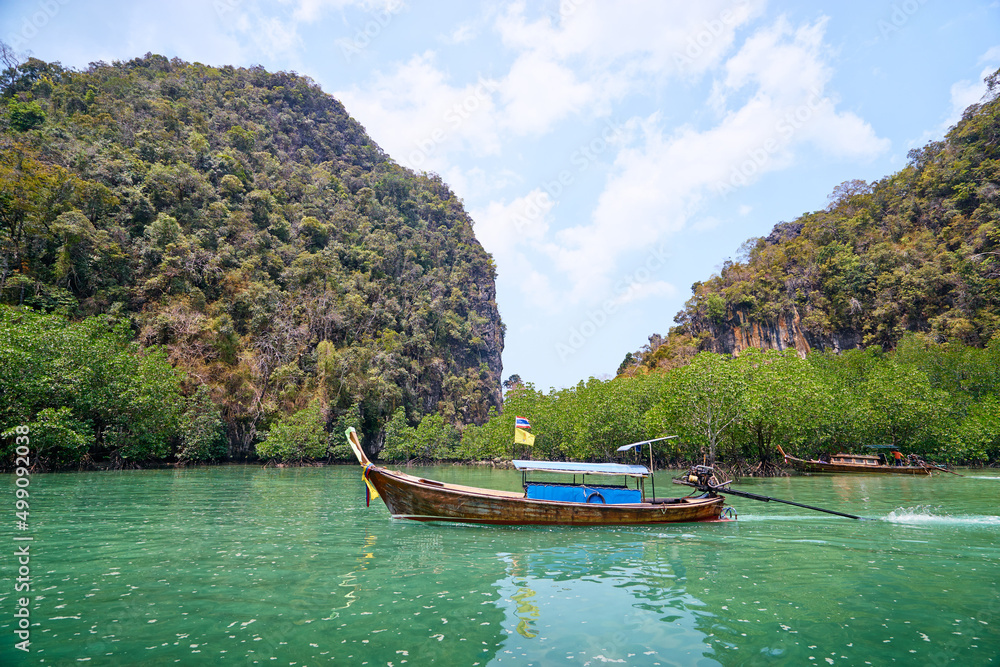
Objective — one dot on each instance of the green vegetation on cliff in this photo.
(87, 393)
(900, 277)
(918, 251)
(246, 228)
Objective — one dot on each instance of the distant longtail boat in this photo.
(862, 463)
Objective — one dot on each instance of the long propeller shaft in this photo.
(765, 499)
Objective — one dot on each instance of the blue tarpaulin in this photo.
(583, 494)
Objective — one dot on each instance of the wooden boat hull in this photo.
(812, 465)
(418, 499)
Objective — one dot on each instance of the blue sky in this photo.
(610, 153)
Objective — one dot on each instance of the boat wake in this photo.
(924, 516)
(995, 478)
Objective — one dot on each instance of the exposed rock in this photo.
(739, 332)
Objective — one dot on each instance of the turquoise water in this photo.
(243, 565)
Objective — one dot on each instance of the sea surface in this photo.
(261, 566)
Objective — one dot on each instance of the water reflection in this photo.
(247, 565)
(604, 595)
(349, 580)
(525, 612)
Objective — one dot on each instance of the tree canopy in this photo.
(933, 399)
(915, 252)
(244, 225)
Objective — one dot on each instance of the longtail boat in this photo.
(862, 463)
(541, 503)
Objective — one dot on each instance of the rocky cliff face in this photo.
(915, 252)
(251, 228)
(739, 332)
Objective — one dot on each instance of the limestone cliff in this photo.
(247, 225)
(784, 332)
(916, 252)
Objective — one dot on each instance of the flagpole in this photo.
(638, 445)
(652, 477)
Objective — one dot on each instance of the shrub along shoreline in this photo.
(92, 399)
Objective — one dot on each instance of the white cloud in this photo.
(501, 227)
(641, 291)
(574, 64)
(274, 36)
(991, 57)
(966, 93)
(769, 97)
(782, 61)
(595, 53)
(419, 117)
(538, 92)
(506, 230)
(632, 36)
(309, 11)
(187, 29)
(659, 182)
(963, 94)
(464, 33)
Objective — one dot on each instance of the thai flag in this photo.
(521, 422)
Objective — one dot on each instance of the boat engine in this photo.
(701, 476)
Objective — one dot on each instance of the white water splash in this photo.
(925, 516)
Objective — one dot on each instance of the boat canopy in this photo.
(637, 445)
(572, 468)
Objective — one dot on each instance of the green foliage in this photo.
(25, 115)
(56, 437)
(241, 139)
(978, 434)
(297, 437)
(703, 400)
(716, 306)
(398, 435)
(431, 440)
(87, 384)
(252, 229)
(939, 401)
(338, 448)
(918, 251)
(588, 421)
(202, 432)
(490, 441)
(149, 419)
